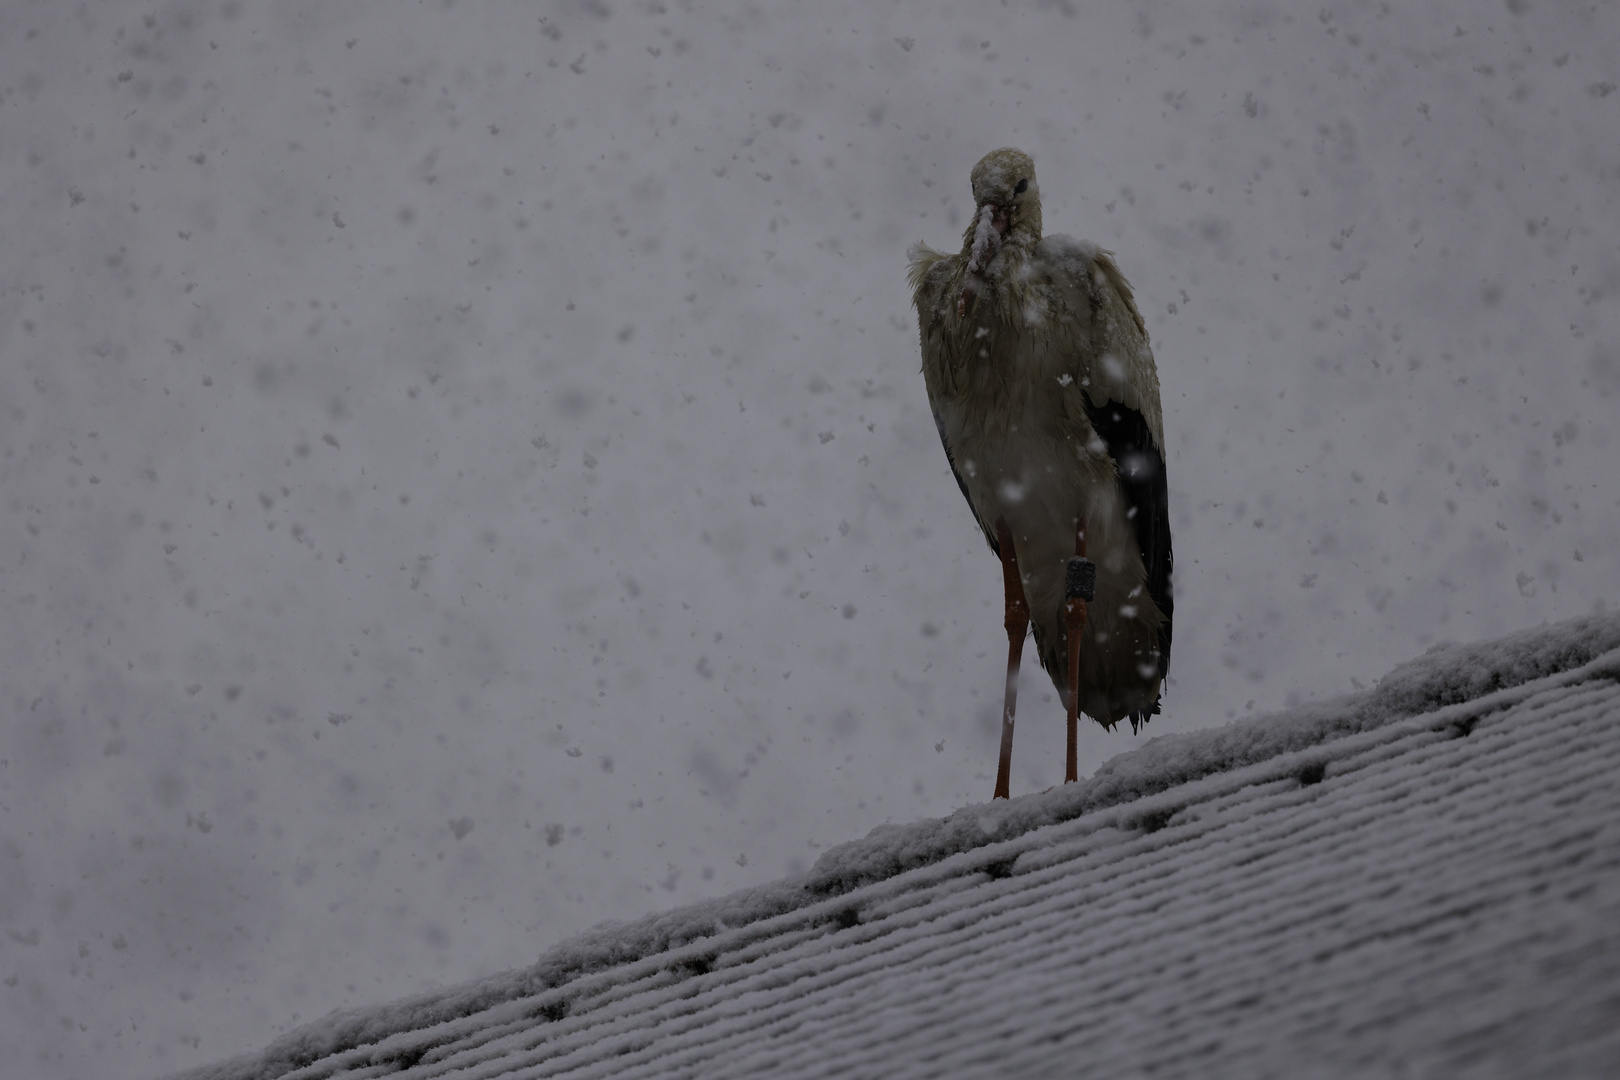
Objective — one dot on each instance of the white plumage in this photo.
(1047, 401)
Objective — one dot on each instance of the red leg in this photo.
(1078, 587)
(1017, 623)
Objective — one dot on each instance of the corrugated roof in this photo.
(1419, 880)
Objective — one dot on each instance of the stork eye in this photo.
(1023, 186)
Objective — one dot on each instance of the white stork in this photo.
(1047, 400)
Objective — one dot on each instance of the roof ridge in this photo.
(1447, 674)
(1445, 686)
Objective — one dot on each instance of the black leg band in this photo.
(1080, 579)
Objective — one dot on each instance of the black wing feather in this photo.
(1140, 466)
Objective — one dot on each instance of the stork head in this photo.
(1007, 197)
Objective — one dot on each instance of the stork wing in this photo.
(935, 279)
(1116, 388)
(1099, 329)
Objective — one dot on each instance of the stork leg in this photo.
(1079, 586)
(1017, 623)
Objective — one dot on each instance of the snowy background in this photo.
(464, 473)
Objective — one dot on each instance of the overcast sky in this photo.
(464, 472)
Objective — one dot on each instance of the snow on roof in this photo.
(1423, 878)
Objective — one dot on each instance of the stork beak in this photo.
(998, 217)
(989, 227)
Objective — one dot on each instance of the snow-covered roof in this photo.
(1423, 879)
